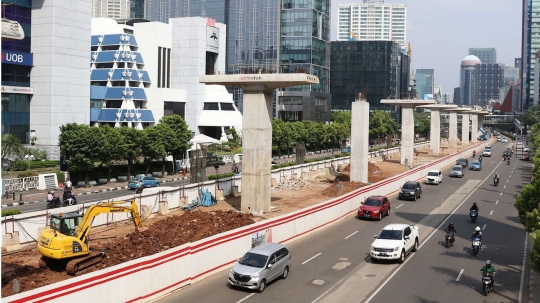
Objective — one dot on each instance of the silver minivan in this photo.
(261, 265)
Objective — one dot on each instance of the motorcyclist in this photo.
(68, 194)
(474, 153)
(477, 234)
(451, 228)
(474, 207)
(488, 269)
(234, 168)
(496, 176)
(480, 158)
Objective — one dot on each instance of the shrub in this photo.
(26, 174)
(221, 176)
(10, 212)
(61, 176)
(284, 165)
(226, 148)
(19, 165)
(508, 135)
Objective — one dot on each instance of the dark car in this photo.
(375, 207)
(410, 190)
(463, 162)
(507, 153)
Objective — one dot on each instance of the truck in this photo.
(484, 136)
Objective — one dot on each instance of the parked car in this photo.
(463, 162)
(147, 181)
(346, 149)
(260, 266)
(410, 190)
(476, 165)
(487, 151)
(375, 207)
(457, 171)
(394, 242)
(433, 177)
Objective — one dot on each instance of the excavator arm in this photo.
(83, 229)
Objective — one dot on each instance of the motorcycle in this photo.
(476, 246)
(496, 181)
(480, 158)
(508, 161)
(487, 282)
(140, 189)
(69, 199)
(54, 203)
(473, 215)
(449, 238)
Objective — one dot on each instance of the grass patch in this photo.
(221, 176)
(10, 212)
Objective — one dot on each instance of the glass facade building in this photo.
(530, 45)
(136, 9)
(425, 83)
(486, 55)
(368, 67)
(489, 78)
(16, 106)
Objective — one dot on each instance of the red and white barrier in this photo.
(150, 277)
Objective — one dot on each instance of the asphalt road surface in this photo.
(333, 265)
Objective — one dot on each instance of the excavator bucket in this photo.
(142, 228)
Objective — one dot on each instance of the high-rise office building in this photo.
(367, 67)
(44, 87)
(488, 78)
(457, 95)
(373, 20)
(486, 55)
(529, 48)
(467, 80)
(425, 83)
(511, 74)
(112, 9)
(272, 37)
(136, 9)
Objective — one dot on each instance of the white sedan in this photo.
(394, 242)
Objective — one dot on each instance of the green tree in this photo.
(131, 150)
(152, 144)
(80, 145)
(382, 125)
(341, 117)
(112, 147)
(11, 147)
(342, 131)
(531, 116)
(178, 143)
(279, 134)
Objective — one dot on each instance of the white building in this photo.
(163, 77)
(372, 20)
(112, 9)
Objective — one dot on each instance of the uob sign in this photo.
(18, 58)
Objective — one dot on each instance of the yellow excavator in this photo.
(65, 242)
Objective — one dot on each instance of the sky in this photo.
(442, 31)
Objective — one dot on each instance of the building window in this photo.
(96, 103)
(16, 116)
(174, 108)
(227, 106)
(211, 106)
(16, 75)
(290, 100)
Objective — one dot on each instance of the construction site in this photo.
(22, 271)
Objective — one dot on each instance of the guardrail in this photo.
(191, 262)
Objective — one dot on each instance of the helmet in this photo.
(488, 263)
(474, 204)
(477, 228)
(451, 224)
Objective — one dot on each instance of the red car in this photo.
(375, 207)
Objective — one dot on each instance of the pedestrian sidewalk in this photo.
(37, 196)
(534, 287)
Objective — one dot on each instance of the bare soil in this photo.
(182, 227)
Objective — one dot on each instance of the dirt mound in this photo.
(374, 175)
(346, 186)
(161, 235)
(372, 168)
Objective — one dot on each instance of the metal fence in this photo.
(19, 184)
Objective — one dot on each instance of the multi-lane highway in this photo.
(333, 265)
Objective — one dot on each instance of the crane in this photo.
(66, 240)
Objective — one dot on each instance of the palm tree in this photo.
(11, 146)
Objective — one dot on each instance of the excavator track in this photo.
(77, 264)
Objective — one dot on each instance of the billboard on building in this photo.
(212, 39)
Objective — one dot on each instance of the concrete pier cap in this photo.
(407, 125)
(435, 133)
(257, 131)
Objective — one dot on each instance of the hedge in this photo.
(21, 165)
(26, 174)
(10, 212)
(221, 176)
(509, 135)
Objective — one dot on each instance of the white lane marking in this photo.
(484, 228)
(324, 293)
(500, 194)
(400, 206)
(523, 269)
(507, 181)
(512, 172)
(459, 276)
(429, 237)
(497, 202)
(315, 256)
(504, 187)
(510, 176)
(245, 298)
(347, 237)
(491, 213)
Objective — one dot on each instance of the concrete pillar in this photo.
(256, 150)
(452, 132)
(465, 129)
(435, 134)
(481, 122)
(407, 135)
(359, 141)
(474, 128)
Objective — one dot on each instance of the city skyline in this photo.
(427, 31)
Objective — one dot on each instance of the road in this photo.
(339, 268)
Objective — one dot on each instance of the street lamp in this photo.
(29, 158)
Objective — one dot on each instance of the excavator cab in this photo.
(65, 223)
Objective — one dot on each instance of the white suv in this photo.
(394, 242)
(433, 177)
(487, 152)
